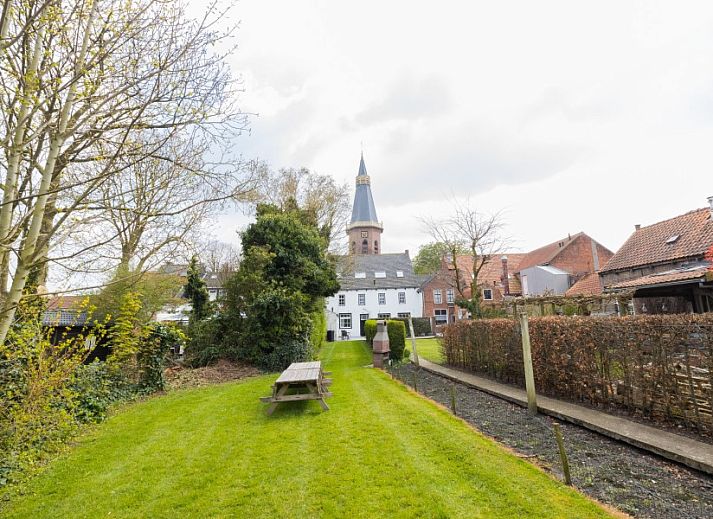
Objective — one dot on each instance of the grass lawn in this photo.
(211, 452)
(429, 349)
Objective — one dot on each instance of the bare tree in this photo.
(80, 83)
(481, 235)
(315, 193)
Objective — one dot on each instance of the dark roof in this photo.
(348, 266)
(364, 209)
(693, 274)
(64, 318)
(686, 236)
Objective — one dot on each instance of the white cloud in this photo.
(573, 117)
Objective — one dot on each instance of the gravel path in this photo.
(612, 472)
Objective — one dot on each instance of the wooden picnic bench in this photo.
(307, 381)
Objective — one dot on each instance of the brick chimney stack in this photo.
(710, 203)
(637, 226)
(505, 279)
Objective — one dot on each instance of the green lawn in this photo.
(429, 349)
(381, 451)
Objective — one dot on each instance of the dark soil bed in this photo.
(632, 480)
(179, 377)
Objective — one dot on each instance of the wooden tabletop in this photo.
(301, 372)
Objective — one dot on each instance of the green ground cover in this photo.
(429, 349)
(212, 452)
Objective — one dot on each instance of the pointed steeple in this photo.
(364, 229)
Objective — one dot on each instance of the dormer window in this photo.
(673, 239)
(380, 274)
(399, 273)
(360, 275)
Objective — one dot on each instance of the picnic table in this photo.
(307, 381)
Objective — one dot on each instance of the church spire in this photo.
(364, 229)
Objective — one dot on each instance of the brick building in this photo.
(665, 265)
(496, 280)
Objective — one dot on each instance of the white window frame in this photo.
(402, 298)
(441, 316)
(450, 296)
(385, 315)
(437, 296)
(382, 298)
(380, 274)
(361, 299)
(345, 321)
(342, 299)
(403, 315)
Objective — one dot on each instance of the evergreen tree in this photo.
(195, 290)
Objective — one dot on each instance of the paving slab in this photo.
(684, 450)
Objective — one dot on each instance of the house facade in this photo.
(372, 287)
(664, 265)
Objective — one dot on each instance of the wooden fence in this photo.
(657, 366)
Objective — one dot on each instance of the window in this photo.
(441, 316)
(384, 316)
(365, 247)
(360, 275)
(342, 300)
(376, 247)
(404, 315)
(487, 294)
(449, 296)
(345, 321)
(380, 274)
(382, 298)
(399, 273)
(364, 234)
(437, 296)
(402, 298)
(362, 299)
(353, 247)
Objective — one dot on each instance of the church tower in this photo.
(364, 229)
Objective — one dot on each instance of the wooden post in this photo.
(563, 454)
(413, 342)
(527, 361)
(453, 399)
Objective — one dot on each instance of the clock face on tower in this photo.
(364, 234)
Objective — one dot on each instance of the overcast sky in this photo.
(568, 116)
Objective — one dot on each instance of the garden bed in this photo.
(615, 473)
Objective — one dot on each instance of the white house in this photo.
(378, 286)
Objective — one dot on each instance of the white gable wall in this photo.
(413, 305)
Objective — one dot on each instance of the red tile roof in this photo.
(648, 245)
(546, 254)
(701, 273)
(589, 285)
(492, 271)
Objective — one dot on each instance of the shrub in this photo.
(157, 341)
(205, 344)
(96, 388)
(397, 339)
(421, 326)
(319, 326)
(370, 330)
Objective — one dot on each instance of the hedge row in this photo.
(421, 326)
(397, 336)
(659, 366)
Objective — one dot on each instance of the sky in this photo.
(565, 116)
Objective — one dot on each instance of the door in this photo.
(362, 320)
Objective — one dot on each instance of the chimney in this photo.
(710, 204)
(637, 226)
(505, 279)
(406, 252)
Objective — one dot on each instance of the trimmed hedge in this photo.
(421, 326)
(397, 336)
(654, 365)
